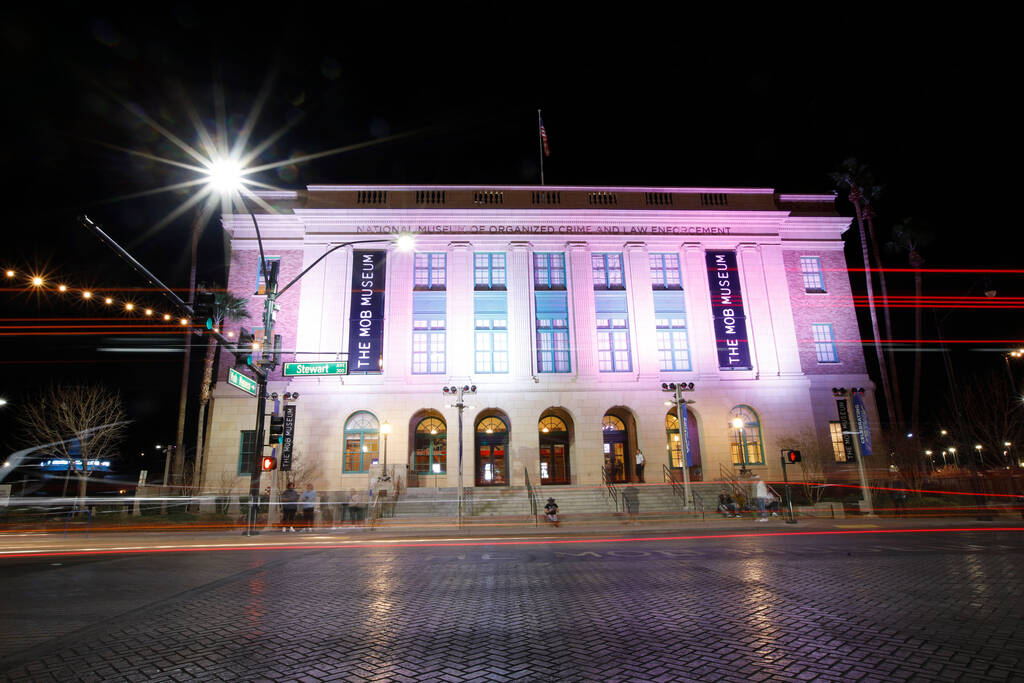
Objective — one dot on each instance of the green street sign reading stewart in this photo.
(316, 369)
(237, 379)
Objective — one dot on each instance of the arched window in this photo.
(551, 424)
(610, 423)
(745, 441)
(362, 436)
(491, 425)
(675, 444)
(431, 446)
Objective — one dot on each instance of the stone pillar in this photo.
(520, 312)
(398, 313)
(337, 292)
(641, 309)
(312, 297)
(584, 321)
(759, 314)
(699, 316)
(460, 310)
(783, 326)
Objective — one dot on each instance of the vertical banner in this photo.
(287, 438)
(727, 311)
(366, 319)
(860, 416)
(844, 422)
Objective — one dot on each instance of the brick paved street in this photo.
(926, 606)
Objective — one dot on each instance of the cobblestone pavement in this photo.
(928, 606)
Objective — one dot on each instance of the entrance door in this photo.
(554, 451)
(491, 452)
(616, 448)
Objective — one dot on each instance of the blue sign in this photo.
(860, 416)
(366, 318)
(727, 311)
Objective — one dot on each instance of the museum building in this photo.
(567, 308)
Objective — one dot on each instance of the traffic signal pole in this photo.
(789, 493)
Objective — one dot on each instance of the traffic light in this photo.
(202, 308)
(243, 352)
(276, 429)
(792, 457)
(268, 464)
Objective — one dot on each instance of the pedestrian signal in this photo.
(792, 457)
(269, 463)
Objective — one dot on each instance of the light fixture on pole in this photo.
(740, 426)
(677, 389)
(458, 393)
(385, 429)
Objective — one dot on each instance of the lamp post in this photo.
(740, 426)
(684, 437)
(458, 393)
(385, 429)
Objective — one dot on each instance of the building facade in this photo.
(567, 308)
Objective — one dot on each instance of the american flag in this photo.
(544, 138)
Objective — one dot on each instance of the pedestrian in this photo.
(355, 507)
(631, 500)
(726, 505)
(308, 500)
(761, 496)
(640, 462)
(551, 511)
(289, 498)
(344, 498)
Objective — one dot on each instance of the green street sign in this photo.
(237, 379)
(316, 369)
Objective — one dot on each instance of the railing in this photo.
(698, 503)
(609, 484)
(677, 490)
(739, 491)
(532, 494)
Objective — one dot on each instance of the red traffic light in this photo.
(792, 457)
(268, 464)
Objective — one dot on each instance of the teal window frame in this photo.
(430, 271)
(825, 349)
(603, 266)
(244, 436)
(261, 283)
(363, 433)
(490, 270)
(814, 278)
(664, 269)
(549, 270)
(751, 429)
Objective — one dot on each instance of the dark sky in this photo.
(632, 97)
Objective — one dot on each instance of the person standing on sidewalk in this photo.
(308, 500)
(640, 462)
(761, 496)
(289, 500)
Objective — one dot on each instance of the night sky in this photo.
(641, 99)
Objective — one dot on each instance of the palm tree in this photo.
(850, 176)
(225, 306)
(908, 238)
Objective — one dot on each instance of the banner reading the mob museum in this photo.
(727, 311)
(366, 319)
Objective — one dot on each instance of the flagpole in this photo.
(540, 147)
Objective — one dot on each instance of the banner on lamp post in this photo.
(844, 422)
(860, 417)
(366, 317)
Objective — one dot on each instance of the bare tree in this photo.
(304, 470)
(84, 423)
(812, 461)
(993, 416)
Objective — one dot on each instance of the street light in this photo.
(385, 429)
(740, 426)
(458, 393)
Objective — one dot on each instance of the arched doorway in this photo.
(554, 437)
(616, 448)
(491, 451)
(430, 447)
(675, 445)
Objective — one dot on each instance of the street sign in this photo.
(237, 379)
(316, 369)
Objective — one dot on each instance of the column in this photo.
(520, 311)
(461, 321)
(643, 333)
(759, 314)
(398, 313)
(311, 302)
(584, 321)
(783, 327)
(337, 293)
(703, 349)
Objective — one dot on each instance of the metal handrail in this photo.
(532, 495)
(610, 486)
(698, 502)
(678, 491)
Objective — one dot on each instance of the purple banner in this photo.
(366, 319)
(860, 416)
(727, 311)
(288, 438)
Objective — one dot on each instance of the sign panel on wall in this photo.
(860, 416)
(366, 319)
(727, 311)
(844, 422)
(287, 438)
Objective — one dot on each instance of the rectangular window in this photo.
(824, 343)
(430, 271)
(261, 279)
(246, 450)
(489, 271)
(361, 450)
(549, 271)
(665, 271)
(428, 333)
(607, 270)
(552, 332)
(810, 268)
(835, 430)
(670, 321)
(491, 332)
(612, 332)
